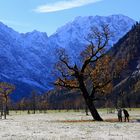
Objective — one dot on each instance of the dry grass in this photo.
(85, 121)
(111, 120)
(74, 121)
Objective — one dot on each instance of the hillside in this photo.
(128, 48)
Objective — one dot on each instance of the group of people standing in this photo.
(126, 115)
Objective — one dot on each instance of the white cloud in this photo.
(63, 5)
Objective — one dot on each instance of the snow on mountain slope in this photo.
(72, 35)
(27, 59)
(24, 59)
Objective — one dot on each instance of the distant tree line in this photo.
(63, 99)
(66, 100)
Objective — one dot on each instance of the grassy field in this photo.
(69, 125)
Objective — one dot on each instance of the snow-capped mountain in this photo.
(26, 60)
(72, 35)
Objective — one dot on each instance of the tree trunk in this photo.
(28, 111)
(34, 111)
(34, 106)
(5, 107)
(7, 110)
(4, 110)
(86, 109)
(89, 101)
(93, 110)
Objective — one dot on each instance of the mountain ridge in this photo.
(27, 59)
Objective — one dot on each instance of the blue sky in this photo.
(48, 15)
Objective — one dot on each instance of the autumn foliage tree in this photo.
(93, 75)
(5, 90)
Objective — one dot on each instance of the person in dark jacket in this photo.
(120, 115)
(126, 115)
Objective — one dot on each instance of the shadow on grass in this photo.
(110, 120)
(75, 121)
(84, 121)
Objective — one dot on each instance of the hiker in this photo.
(126, 115)
(120, 115)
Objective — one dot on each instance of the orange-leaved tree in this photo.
(5, 90)
(93, 76)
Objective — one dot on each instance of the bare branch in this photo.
(65, 84)
(99, 48)
(69, 67)
(63, 74)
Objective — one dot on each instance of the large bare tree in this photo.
(93, 75)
